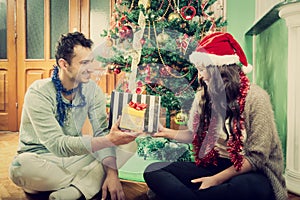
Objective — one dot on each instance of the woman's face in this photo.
(202, 73)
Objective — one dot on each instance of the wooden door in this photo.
(8, 92)
(39, 25)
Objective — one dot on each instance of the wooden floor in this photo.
(9, 191)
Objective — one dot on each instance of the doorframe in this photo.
(12, 66)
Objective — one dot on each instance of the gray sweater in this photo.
(40, 131)
(263, 147)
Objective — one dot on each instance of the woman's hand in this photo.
(223, 176)
(163, 132)
(184, 136)
(207, 182)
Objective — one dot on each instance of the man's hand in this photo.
(112, 185)
(118, 137)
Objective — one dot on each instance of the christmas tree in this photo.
(151, 42)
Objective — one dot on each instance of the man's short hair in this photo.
(66, 43)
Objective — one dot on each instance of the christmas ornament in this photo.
(173, 16)
(126, 32)
(142, 41)
(109, 42)
(145, 3)
(196, 19)
(162, 38)
(163, 71)
(181, 118)
(123, 20)
(183, 43)
(141, 90)
(188, 12)
(110, 68)
(183, 25)
(117, 70)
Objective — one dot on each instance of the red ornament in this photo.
(142, 41)
(126, 32)
(117, 70)
(163, 71)
(184, 9)
(123, 20)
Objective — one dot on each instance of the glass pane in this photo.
(35, 29)
(59, 21)
(3, 29)
(99, 19)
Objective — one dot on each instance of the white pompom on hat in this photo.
(219, 49)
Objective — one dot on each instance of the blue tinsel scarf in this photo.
(61, 105)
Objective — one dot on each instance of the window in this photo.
(59, 22)
(3, 29)
(35, 29)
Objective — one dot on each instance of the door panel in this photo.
(3, 96)
(40, 25)
(8, 94)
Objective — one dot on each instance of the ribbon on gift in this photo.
(137, 106)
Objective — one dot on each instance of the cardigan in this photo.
(262, 147)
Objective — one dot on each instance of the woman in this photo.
(237, 150)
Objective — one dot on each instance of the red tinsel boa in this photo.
(208, 138)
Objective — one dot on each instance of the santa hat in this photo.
(219, 49)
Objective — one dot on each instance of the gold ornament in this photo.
(181, 118)
(173, 16)
(162, 38)
(145, 3)
(109, 42)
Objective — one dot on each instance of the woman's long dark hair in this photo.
(219, 96)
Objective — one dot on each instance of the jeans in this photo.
(173, 181)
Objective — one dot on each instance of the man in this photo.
(53, 155)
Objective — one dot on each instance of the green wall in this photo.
(270, 56)
(240, 16)
(271, 71)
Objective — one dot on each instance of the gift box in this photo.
(133, 116)
(146, 119)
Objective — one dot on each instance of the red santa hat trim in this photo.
(219, 49)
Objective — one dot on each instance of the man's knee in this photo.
(21, 167)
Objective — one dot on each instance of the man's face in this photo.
(82, 64)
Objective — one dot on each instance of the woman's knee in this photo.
(252, 185)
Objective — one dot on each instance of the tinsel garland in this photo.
(61, 105)
(205, 155)
(235, 142)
